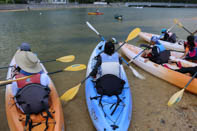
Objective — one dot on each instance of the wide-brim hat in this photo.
(28, 61)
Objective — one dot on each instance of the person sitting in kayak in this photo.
(109, 61)
(168, 36)
(97, 10)
(188, 70)
(25, 47)
(157, 53)
(31, 94)
(29, 65)
(108, 76)
(190, 49)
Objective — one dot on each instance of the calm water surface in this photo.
(63, 32)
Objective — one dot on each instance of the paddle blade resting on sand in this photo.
(134, 33)
(70, 94)
(69, 58)
(76, 67)
(176, 98)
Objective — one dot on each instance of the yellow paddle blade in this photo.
(176, 97)
(134, 33)
(176, 21)
(76, 67)
(70, 94)
(9, 81)
(66, 58)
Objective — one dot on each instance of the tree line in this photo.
(109, 1)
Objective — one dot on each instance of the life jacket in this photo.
(193, 53)
(159, 54)
(109, 85)
(110, 64)
(34, 99)
(33, 79)
(171, 37)
(160, 47)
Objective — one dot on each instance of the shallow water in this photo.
(63, 32)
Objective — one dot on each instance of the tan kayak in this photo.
(16, 119)
(171, 76)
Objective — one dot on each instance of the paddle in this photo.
(177, 96)
(76, 67)
(91, 27)
(131, 36)
(71, 93)
(180, 25)
(64, 59)
(176, 22)
(138, 75)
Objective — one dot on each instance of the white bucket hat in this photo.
(28, 61)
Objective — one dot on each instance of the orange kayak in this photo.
(176, 78)
(16, 119)
(95, 13)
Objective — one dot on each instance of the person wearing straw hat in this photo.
(29, 64)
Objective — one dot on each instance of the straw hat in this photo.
(28, 61)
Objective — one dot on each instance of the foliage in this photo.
(109, 1)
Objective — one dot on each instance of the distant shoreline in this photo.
(49, 6)
(26, 7)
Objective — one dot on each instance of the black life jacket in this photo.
(34, 99)
(109, 85)
(161, 57)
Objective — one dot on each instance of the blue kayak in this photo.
(101, 116)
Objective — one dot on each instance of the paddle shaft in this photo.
(85, 79)
(125, 61)
(5, 67)
(179, 23)
(190, 80)
(120, 46)
(50, 73)
(47, 61)
(171, 28)
(187, 30)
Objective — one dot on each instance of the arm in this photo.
(185, 53)
(96, 66)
